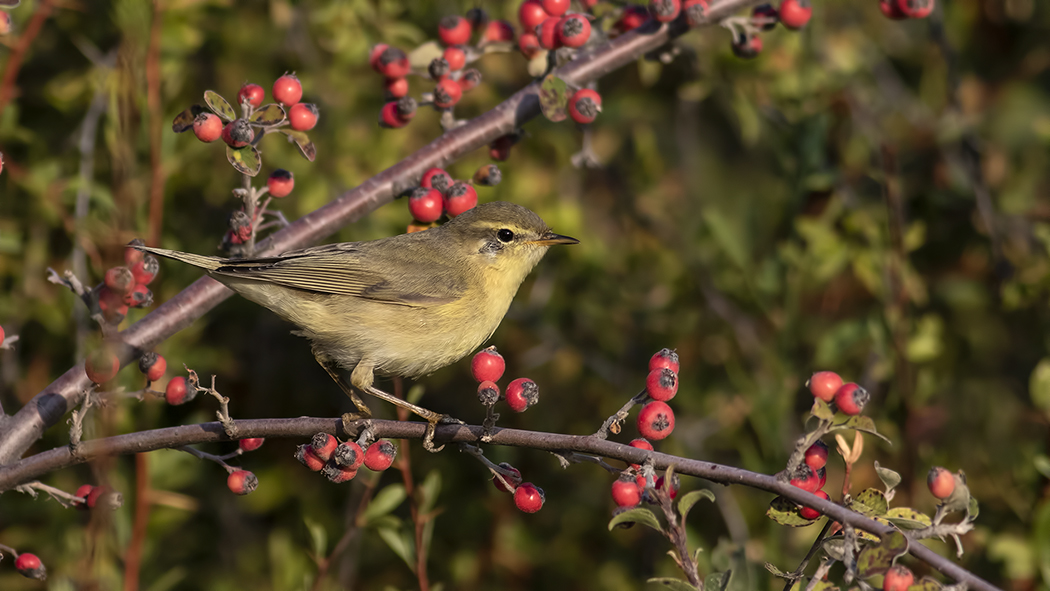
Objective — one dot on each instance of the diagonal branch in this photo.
(48, 406)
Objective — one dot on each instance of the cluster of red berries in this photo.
(98, 497)
(656, 419)
(528, 497)
(549, 25)
(811, 476)
(29, 565)
(629, 490)
(239, 132)
(124, 287)
(487, 367)
(848, 398)
(339, 462)
(439, 194)
(902, 9)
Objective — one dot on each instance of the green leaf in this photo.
(835, 547)
(642, 516)
(419, 58)
(1039, 385)
(877, 559)
(1042, 465)
(246, 160)
(401, 545)
(717, 581)
(554, 98)
(926, 584)
(219, 105)
(429, 492)
(777, 572)
(268, 115)
(908, 518)
(823, 585)
(890, 478)
(184, 120)
(871, 502)
(306, 147)
(673, 584)
(385, 501)
(821, 410)
(318, 537)
(972, 509)
(785, 512)
(861, 423)
(686, 502)
(538, 64)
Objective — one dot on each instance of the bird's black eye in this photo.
(505, 235)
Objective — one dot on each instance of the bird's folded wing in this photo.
(341, 269)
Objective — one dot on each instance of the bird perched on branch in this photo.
(406, 305)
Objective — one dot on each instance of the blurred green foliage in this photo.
(740, 216)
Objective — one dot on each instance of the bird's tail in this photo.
(197, 260)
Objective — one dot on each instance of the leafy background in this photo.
(740, 217)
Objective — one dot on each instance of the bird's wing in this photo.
(386, 275)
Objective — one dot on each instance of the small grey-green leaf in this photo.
(306, 147)
(419, 58)
(972, 509)
(870, 502)
(861, 423)
(268, 115)
(400, 545)
(385, 501)
(890, 478)
(717, 581)
(785, 512)
(554, 98)
(685, 504)
(219, 105)
(318, 537)
(246, 160)
(673, 584)
(821, 410)
(642, 516)
(184, 120)
(908, 518)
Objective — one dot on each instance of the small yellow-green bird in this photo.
(406, 305)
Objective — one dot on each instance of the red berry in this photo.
(574, 30)
(140, 297)
(349, 455)
(747, 46)
(817, 455)
(547, 33)
(640, 443)
(397, 113)
(110, 500)
(1, 335)
(497, 31)
(824, 384)
(795, 13)
(528, 497)
(251, 444)
(5, 28)
(584, 105)
(176, 392)
(153, 366)
(102, 365)
(454, 30)
(807, 513)
(487, 365)
(28, 565)
(396, 87)
(530, 14)
(119, 280)
(469, 80)
(891, 11)
(446, 94)
(426, 205)
(436, 178)
(625, 492)
(664, 358)
(529, 44)
(822, 477)
(661, 384)
(280, 183)
(695, 12)
(111, 305)
(303, 116)
(805, 478)
(488, 393)
(456, 58)
(338, 474)
(393, 63)
(898, 578)
(83, 492)
(375, 53)
(514, 480)
(323, 445)
(253, 93)
(851, 398)
(766, 12)
(665, 11)
(207, 127)
(656, 420)
(633, 17)
(555, 7)
(675, 485)
(915, 8)
(146, 269)
(242, 482)
(380, 455)
(941, 483)
(499, 149)
(521, 394)
(238, 133)
(460, 198)
(306, 456)
(287, 90)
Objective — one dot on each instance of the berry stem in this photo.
(65, 499)
(613, 423)
(207, 456)
(799, 572)
(498, 472)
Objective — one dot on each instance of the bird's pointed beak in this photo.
(551, 238)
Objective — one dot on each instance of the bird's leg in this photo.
(363, 411)
(362, 379)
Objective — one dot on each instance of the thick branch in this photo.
(48, 407)
(304, 427)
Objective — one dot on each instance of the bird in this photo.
(405, 305)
